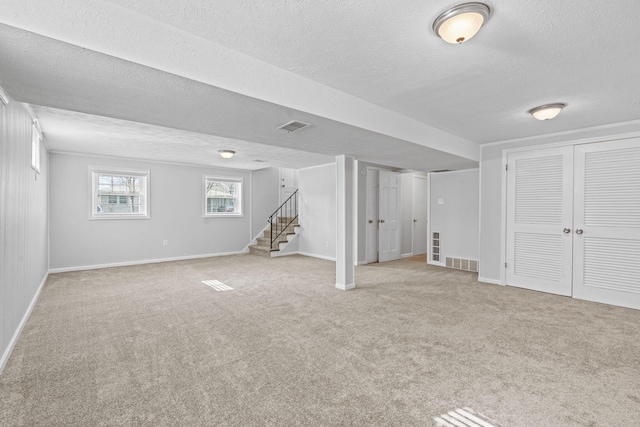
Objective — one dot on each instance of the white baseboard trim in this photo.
(317, 256)
(16, 335)
(491, 281)
(345, 287)
(362, 263)
(406, 255)
(144, 261)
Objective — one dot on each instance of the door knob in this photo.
(370, 221)
(415, 220)
(579, 231)
(382, 220)
(567, 230)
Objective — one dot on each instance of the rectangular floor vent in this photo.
(462, 264)
(217, 285)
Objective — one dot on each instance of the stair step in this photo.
(278, 230)
(260, 250)
(263, 246)
(286, 219)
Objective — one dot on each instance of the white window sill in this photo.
(120, 216)
(223, 215)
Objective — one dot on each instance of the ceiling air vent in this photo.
(293, 126)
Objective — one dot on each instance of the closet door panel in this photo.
(539, 214)
(607, 222)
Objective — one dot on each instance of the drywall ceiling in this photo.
(106, 136)
(532, 52)
(63, 77)
(370, 76)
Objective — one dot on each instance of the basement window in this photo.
(222, 196)
(119, 194)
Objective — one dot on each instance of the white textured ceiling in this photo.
(113, 137)
(370, 75)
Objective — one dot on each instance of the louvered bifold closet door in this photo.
(539, 215)
(607, 222)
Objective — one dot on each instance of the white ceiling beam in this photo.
(107, 28)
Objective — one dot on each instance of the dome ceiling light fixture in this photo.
(226, 154)
(547, 111)
(461, 22)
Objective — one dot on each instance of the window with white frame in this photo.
(36, 138)
(222, 196)
(119, 193)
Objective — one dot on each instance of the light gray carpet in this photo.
(152, 345)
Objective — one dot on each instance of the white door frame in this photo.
(413, 214)
(368, 214)
(429, 249)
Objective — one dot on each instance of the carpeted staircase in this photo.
(263, 246)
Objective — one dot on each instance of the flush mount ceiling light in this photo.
(547, 111)
(226, 154)
(461, 22)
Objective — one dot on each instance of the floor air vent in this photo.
(217, 285)
(462, 264)
(293, 126)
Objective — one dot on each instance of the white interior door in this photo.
(607, 223)
(288, 183)
(539, 220)
(389, 213)
(419, 220)
(372, 215)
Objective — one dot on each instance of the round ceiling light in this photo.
(461, 22)
(547, 111)
(226, 154)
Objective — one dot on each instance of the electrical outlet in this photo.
(327, 243)
(165, 242)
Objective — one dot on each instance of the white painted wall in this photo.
(24, 250)
(318, 211)
(491, 172)
(264, 197)
(457, 219)
(176, 215)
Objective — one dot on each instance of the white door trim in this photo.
(368, 215)
(413, 214)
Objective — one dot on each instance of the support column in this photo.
(345, 218)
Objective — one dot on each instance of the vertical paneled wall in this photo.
(23, 222)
